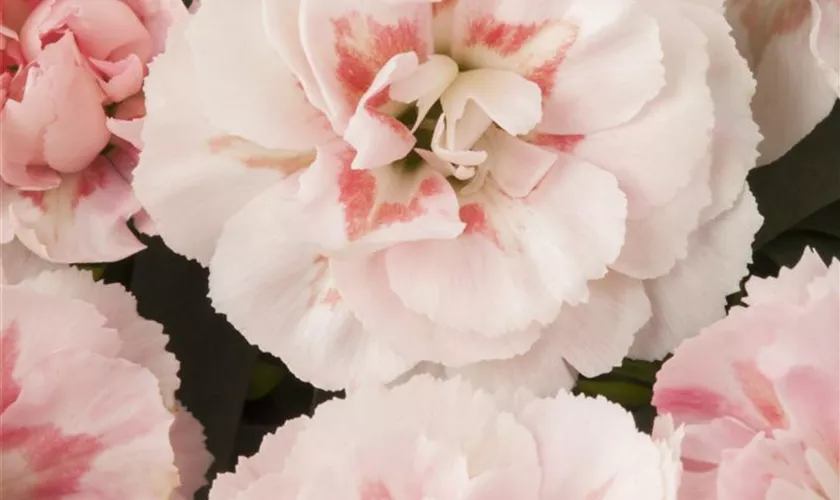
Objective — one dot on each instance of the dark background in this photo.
(799, 196)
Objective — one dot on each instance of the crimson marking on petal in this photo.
(761, 393)
(543, 74)
(36, 197)
(364, 46)
(56, 461)
(90, 180)
(564, 143)
(694, 402)
(390, 213)
(375, 491)
(9, 352)
(357, 192)
(504, 38)
(475, 218)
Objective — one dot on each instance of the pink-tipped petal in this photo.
(347, 44)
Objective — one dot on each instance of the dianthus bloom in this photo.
(442, 440)
(87, 394)
(513, 191)
(71, 104)
(759, 392)
(793, 47)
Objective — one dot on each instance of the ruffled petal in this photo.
(82, 220)
(186, 161)
(717, 260)
(284, 300)
(246, 88)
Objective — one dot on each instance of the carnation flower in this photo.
(71, 104)
(433, 439)
(793, 47)
(759, 392)
(512, 191)
(88, 404)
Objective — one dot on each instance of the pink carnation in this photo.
(759, 392)
(793, 47)
(88, 405)
(433, 439)
(71, 106)
(515, 191)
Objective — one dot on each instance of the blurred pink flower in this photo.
(793, 47)
(72, 106)
(88, 405)
(759, 392)
(433, 439)
(511, 191)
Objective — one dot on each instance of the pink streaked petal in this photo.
(705, 442)
(143, 341)
(510, 100)
(501, 35)
(186, 160)
(656, 242)
(191, 456)
(736, 388)
(611, 71)
(749, 472)
(284, 299)
(380, 207)
(122, 78)
(516, 166)
(652, 159)
(378, 138)
(126, 450)
(83, 220)
(717, 260)
(28, 336)
(255, 100)
(364, 285)
(735, 137)
(348, 43)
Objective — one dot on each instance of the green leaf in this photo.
(264, 378)
(627, 394)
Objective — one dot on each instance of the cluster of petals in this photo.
(513, 191)
(793, 48)
(71, 108)
(443, 439)
(759, 392)
(88, 407)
